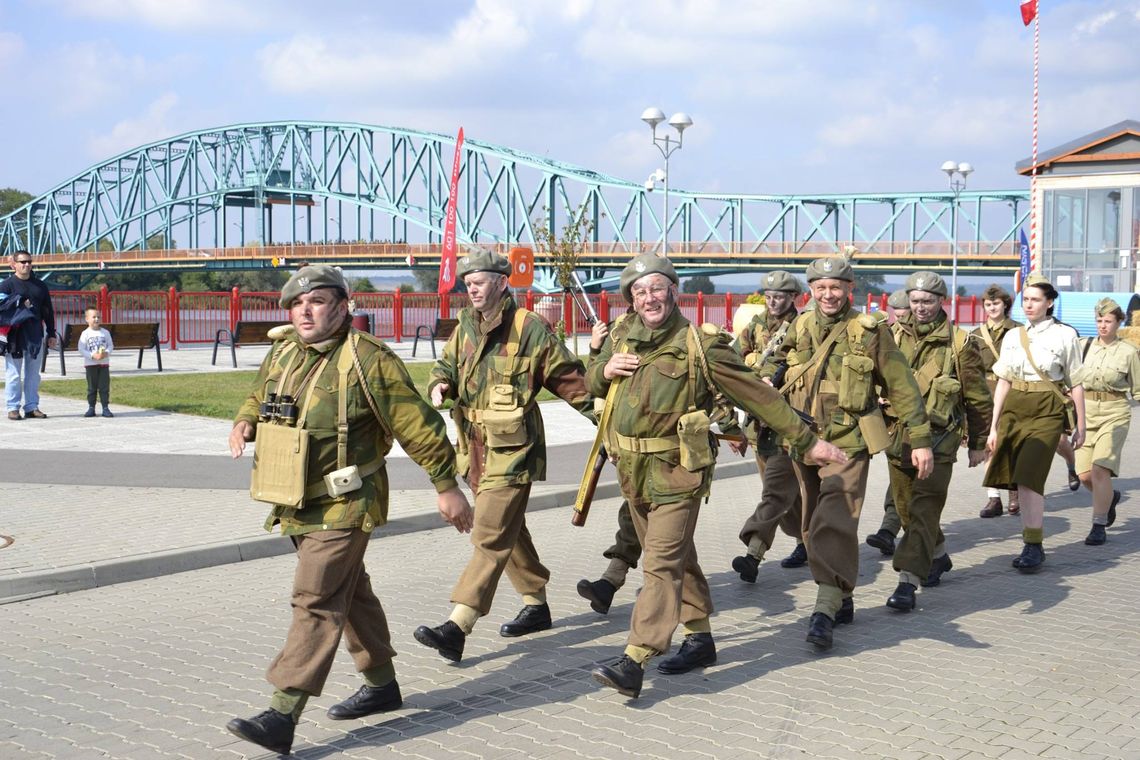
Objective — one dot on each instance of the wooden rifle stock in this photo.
(586, 493)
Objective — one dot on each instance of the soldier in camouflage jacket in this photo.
(493, 367)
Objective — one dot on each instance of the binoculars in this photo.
(282, 411)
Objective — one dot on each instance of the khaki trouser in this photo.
(502, 543)
(780, 503)
(626, 547)
(331, 593)
(833, 498)
(674, 589)
(892, 523)
(920, 504)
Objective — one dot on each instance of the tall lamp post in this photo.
(956, 173)
(680, 121)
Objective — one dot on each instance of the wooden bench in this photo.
(443, 329)
(128, 335)
(243, 334)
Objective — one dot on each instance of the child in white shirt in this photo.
(96, 346)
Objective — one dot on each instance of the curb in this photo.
(123, 570)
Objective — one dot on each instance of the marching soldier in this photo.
(951, 378)
(347, 395)
(662, 377)
(497, 361)
(780, 501)
(996, 303)
(837, 357)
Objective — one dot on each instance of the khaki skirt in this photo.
(1028, 430)
(1106, 425)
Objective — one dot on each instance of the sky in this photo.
(827, 96)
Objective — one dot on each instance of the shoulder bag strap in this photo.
(819, 355)
(1024, 335)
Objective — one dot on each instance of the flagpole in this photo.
(1034, 255)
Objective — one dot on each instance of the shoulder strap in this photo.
(693, 338)
(387, 428)
(1024, 335)
(514, 337)
(820, 354)
(988, 337)
(1088, 345)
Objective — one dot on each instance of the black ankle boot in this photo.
(1031, 560)
(819, 631)
(270, 729)
(625, 675)
(600, 594)
(368, 700)
(447, 639)
(939, 566)
(748, 567)
(798, 557)
(697, 651)
(531, 619)
(903, 598)
(883, 540)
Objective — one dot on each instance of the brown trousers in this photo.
(833, 498)
(626, 547)
(920, 504)
(780, 503)
(502, 543)
(331, 594)
(674, 589)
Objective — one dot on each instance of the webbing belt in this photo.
(1105, 395)
(1032, 386)
(317, 490)
(647, 445)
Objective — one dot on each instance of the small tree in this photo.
(564, 250)
(699, 284)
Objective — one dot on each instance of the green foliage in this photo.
(362, 285)
(699, 284)
(427, 280)
(564, 249)
(11, 199)
(406, 287)
(756, 298)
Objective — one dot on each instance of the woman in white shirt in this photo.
(1029, 410)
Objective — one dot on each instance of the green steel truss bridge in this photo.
(268, 194)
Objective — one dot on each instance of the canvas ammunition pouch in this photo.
(693, 430)
(280, 465)
(873, 427)
(856, 383)
(942, 401)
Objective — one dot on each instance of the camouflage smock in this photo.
(862, 335)
(476, 358)
(419, 428)
(926, 347)
(649, 403)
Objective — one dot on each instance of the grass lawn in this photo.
(207, 394)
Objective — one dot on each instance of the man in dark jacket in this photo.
(25, 342)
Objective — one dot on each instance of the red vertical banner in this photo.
(447, 259)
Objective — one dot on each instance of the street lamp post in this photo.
(680, 121)
(956, 173)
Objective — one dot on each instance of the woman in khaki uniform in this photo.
(996, 302)
(1112, 373)
(1029, 410)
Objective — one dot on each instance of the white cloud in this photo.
(131, 133)
(1093, 25)
(176, 14)
(87, 74)
(11, 48)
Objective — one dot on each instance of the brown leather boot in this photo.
(993, 508)
(1014, 504)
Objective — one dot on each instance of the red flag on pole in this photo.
(447, 260)
(1028, 11)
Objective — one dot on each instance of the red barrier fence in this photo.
(197, 317)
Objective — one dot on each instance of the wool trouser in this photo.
(920, 504)
(502, 544)
(780, 503)
(98, 381)
(891, 523)
(833, 498)
(626, 547)
(674, 589)
(331, 594)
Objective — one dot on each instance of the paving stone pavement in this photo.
(993, 664)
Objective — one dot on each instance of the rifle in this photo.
(587, 310)
(586, 490)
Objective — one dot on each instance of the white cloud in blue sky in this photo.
(787, 96)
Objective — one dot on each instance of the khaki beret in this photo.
(482, 260)
(899, 299)
(830, 267)
(781, 280)
(642, 265)
(1107, 306)
(929, 282)
(309, 278)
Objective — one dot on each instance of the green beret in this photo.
(1107, 306)
(640, 266)
(830, 267)
(781, 280)
(482, 260)
(899, 299)
(928, 282)
(309, 278)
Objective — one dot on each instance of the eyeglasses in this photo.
(656, 292)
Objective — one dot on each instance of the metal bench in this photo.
(443, 329)
(243, 334)
(126, 335)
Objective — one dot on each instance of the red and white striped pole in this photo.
(1034, 254)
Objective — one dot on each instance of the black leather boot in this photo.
(846, 612)
(883, 540)
(447, 639)
(939, 566)
(903, 598)
(798, 557)
(697, 651)
(368, 700)
(531, 619)
(993, 508)
(748, 567)
(270, 729)
(625, 675)
(600, 594)
(1031, 560)
(1096, 536)
(819, 631)
(1112, 509)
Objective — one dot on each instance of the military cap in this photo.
(639, 266)
(1107, 306)
(781, 280)
(482, 260)
(309, 278)
(1037, 280)
(928, 282)
(899, 299)
(830, 267)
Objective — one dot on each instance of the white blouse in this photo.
(1055, 348)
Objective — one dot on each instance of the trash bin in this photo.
(362, 322)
